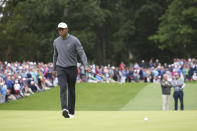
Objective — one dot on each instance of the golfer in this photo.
(66, 49)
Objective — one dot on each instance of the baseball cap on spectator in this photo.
(62, 25)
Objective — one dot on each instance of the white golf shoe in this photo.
(71, 116)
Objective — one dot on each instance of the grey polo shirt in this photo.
(66, 51)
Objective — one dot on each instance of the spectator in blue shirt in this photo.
(178, 84)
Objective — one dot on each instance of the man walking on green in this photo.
(66, 49)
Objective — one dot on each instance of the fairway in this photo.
(107, 107)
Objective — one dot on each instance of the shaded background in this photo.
(111, 31)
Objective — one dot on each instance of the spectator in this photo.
(166, 87)
(178, 85)
(150, 63)
(194, 77)
(2, 91)
(130, 74)
(136, 75)
(116, 76)
(123, 76)
(17, 89)
(33, 87)
(122, 65)
(142, 64)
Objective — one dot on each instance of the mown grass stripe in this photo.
(101, 96)
(149, 98)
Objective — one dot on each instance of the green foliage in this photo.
(109, 30)
(177, 31)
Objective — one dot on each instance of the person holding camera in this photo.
(178, 85)
(166, 89)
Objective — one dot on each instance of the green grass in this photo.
(88, 97)
(106, 97)
(102, 107)
(149, 98)
(98, 121)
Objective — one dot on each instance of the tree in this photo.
(178, 29)
(110, 31)
(140, 20)
(28, 29)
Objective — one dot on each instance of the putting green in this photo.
(149, 98)
(102, 107)
(98, 121)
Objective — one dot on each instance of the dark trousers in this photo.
(178, 95)
(67, 79)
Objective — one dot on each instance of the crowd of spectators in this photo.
(151, 71)
(19, 80)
